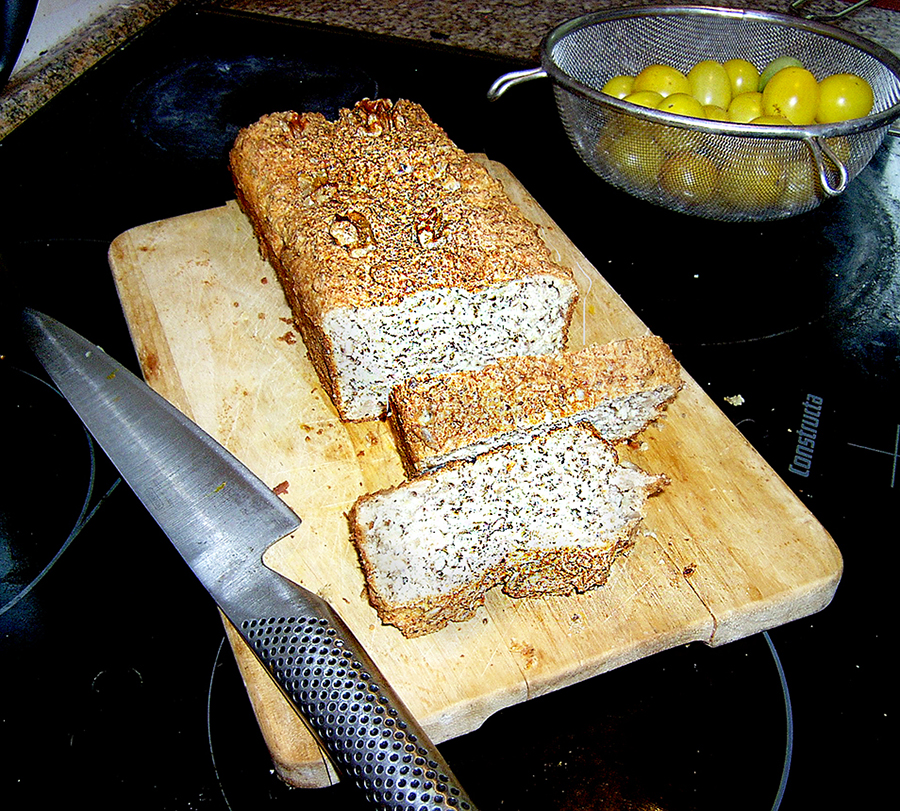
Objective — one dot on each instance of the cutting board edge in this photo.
(147, 335)
(318, 772)
(816, 598)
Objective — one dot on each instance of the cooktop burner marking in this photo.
(894, 453)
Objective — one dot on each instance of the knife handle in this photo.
(339, 692)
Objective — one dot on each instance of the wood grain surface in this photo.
(726, 551)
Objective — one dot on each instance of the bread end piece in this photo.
(546, 517)
(397, 252)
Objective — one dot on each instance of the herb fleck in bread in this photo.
(619, 387)
(397, 252)
(545, 517)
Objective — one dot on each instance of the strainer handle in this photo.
(508, 80)
(795, 5)
(819, 148)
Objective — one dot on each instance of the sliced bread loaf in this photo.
(545, 517)
(398, 253)
(619, 387)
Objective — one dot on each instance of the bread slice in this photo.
(398, 253)
(619, 387)
(545, 517)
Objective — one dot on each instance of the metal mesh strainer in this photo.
(718, 170)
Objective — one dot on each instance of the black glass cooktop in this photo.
(119, 689)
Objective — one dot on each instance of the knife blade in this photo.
(221, 517)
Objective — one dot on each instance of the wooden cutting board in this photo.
(726, 551)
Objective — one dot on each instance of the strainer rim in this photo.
(871, 122)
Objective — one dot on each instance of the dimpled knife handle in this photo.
(341, 695)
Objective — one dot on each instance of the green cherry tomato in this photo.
(774, 66)
(688, 178)
(751, 180)
(713, 113)
(633, 155)
(772, 120)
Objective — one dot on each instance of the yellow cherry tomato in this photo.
(794, 93)
(774, 66)
(619, 86)
(713, 113)
(710, 83)
(688, 177)
(743, 75)
(774, 120)
(634, 156)
(644, 98)
(751, 179)
(745, 107)
(844, 96)
(676, 139)
(801, 186)
(681, 104)
(662, 79)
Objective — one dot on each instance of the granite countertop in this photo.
(504, 27)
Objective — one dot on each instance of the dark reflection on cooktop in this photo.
(864, 302)
(194, 108)
(831, 272)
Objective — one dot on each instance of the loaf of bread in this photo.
(619, 387)
(544, 517)
(398, 253)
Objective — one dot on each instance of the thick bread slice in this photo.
(619, 387)
(397, 252)
(545, 517)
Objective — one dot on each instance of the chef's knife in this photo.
(221, 518)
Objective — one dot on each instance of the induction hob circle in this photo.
(46, 500)
(194, 108)
(685, 728)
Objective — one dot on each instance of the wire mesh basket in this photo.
(713, 169)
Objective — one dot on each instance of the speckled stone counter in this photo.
(505, 27)
(514, 27)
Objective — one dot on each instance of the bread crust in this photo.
(434, 415)
(372, 208)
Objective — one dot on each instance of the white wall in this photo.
(54, 20)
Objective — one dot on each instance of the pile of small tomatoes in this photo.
(783, 93)
(675, 163)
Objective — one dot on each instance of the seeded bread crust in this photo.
(369, 210)
(549, 517)
(621, 387)
(430, 614)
